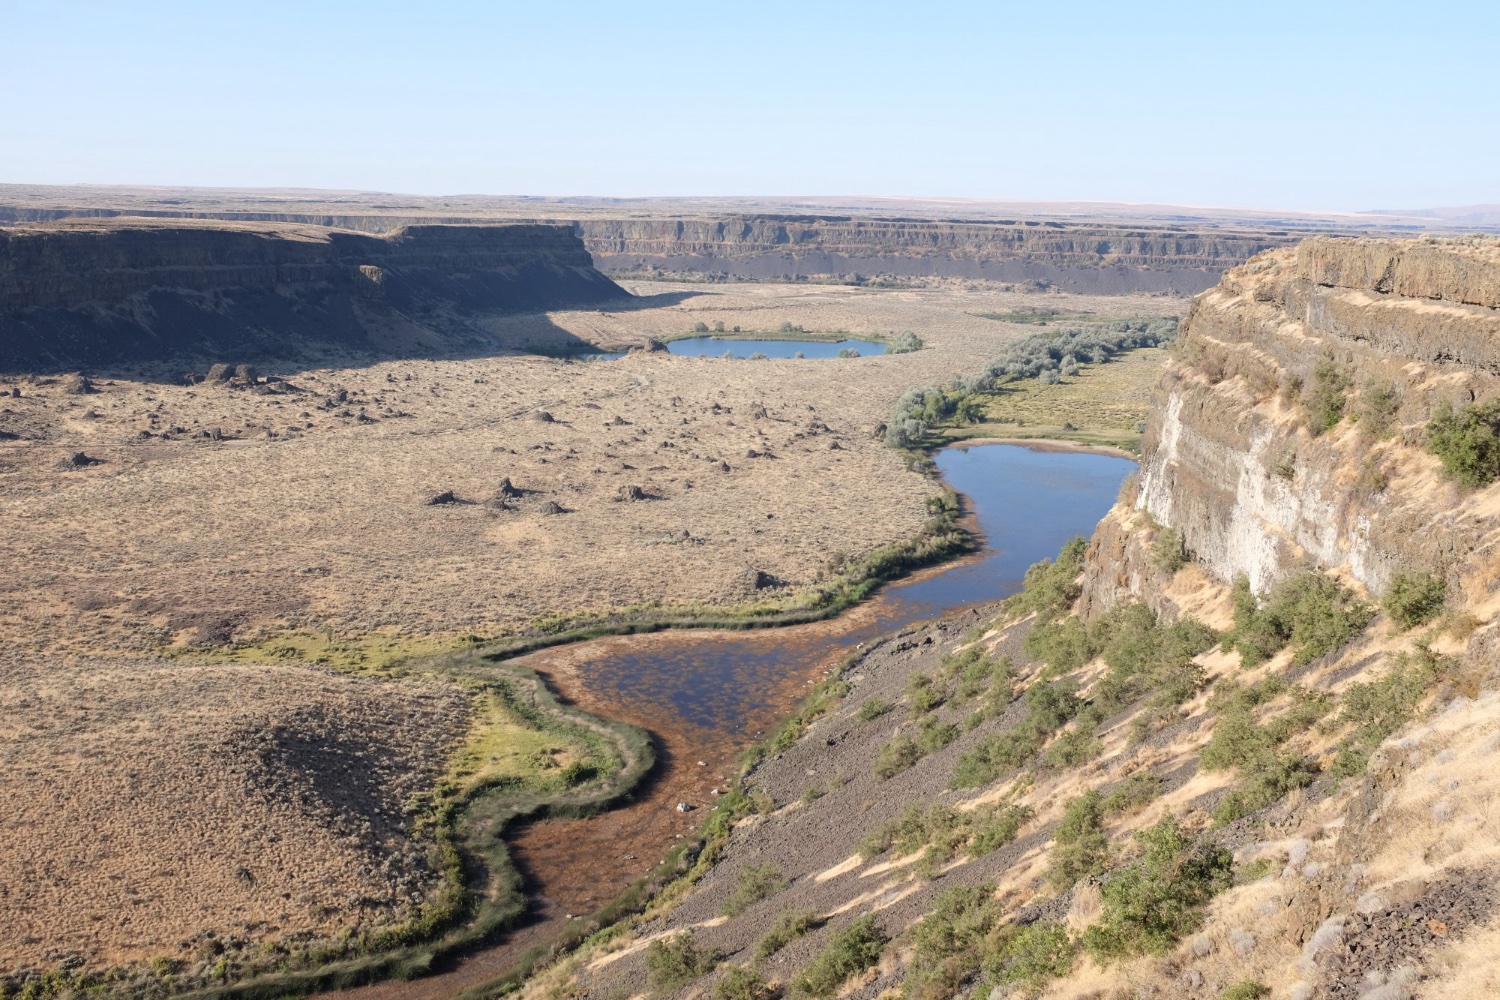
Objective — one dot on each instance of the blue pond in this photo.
(1028, 503)
(714, 347)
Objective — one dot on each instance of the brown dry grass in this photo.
(326, 526)
(149, 808)
(134, 791)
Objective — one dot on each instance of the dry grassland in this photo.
(169, 809)
(147, 802)
(311, 509)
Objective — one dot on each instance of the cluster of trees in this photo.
(1048, 356)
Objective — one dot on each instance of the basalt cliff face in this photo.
(1075, 257)
(1104, 257)
(1231, 458)
(81, 295)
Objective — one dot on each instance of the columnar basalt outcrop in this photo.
(1231, 458)
(84, 294)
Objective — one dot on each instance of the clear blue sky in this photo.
(1312, 105)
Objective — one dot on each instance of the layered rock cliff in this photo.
(1080, 257)
(79, 295)
(1106, 257)
(1233, 458)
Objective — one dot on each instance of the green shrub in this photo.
(873, 709)
(1378, 406)
(1168, 552)
(1079, 845)
(672, 963)
(977, 831)
(1467, 442)
(848, 352)
(1245, 989)
(1326, 401)
(1048, 707)
(1050, 587)
(1266, 771)
(904, 342)
(896, 756)
(1151, 903)
(1031, 955)
(935, 735)
(579, 772)
(1374, 710)
(752, 885)
(789, 926)
(1132, 794)
(740, 983)
(1414, 599)
(948, 943)
(849, 952)
(994, 827)
(1074, 746)
(924, 695)
(1310, 611)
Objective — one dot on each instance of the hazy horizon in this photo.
(1343, 108)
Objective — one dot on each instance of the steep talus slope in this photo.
(1282, 785)
(78, 294)
(1232, 461)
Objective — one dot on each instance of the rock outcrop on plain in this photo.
(84, 294)
(1233, 460)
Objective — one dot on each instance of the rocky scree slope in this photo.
(77, 295)
(1099, 793)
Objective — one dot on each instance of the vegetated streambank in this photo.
(706, 696)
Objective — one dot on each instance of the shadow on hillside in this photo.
(179, 337)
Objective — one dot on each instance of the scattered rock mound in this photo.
(445, 497)
(630, 493)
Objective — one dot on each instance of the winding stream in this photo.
(706, 695)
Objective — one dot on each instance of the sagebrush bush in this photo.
(1467, 442)
(849, 952)
(753, 884)
(1309, 611)
(1048, 707)
(1050, 586)
(1266, 771)
(1030, 955)
(1151, 903)
(1374, 710)
(1168, 552)
(896, 756)
(672, 963)
(948, 943)
(740, 983)
(1378, 406)
(1245, 989)
(1328, 396)
(789, 926)
(1414, 599)
(1080, 847)
(873, 709)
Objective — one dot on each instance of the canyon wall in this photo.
(1103, 257)
(1231, 458)
(89, 294)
